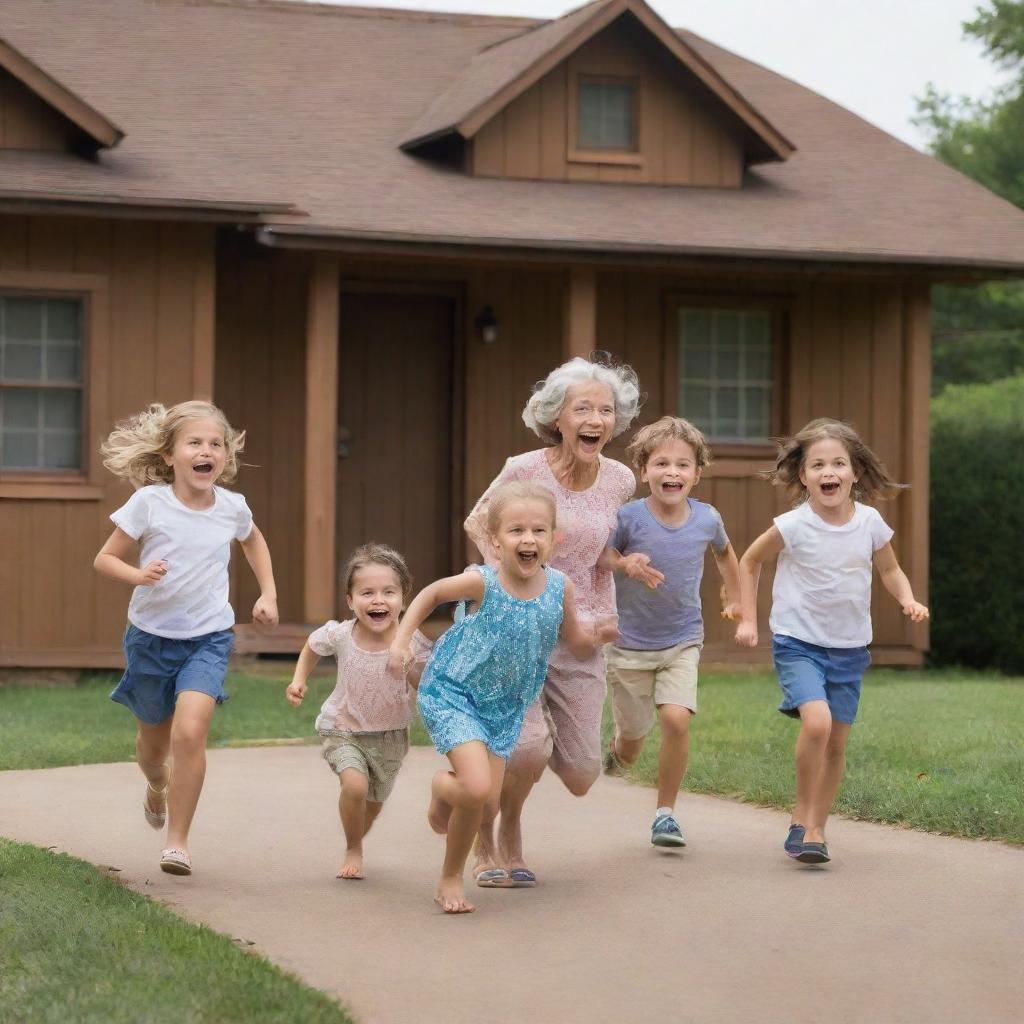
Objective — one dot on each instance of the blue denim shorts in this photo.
(808, 672)
(158, 669)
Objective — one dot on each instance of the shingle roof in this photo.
(234, 102)
(505, 69)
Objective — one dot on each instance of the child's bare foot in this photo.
(451, 897)
(352, 865)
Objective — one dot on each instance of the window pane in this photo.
(62, 362)
(62, 451)
(23, 319)
(62, 409)
(726, 372)
(20, 451)
(696, 363)
(605, 116)
(23, 362)
(20, 409)
(62, 319)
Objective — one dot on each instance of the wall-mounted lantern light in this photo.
(486, 325)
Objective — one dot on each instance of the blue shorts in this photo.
(158, 669)
(808, 672)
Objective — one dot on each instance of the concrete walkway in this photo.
(902, 927)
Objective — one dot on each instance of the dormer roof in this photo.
(101, 131)
(497, 74)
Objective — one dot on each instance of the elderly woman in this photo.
(576, 411)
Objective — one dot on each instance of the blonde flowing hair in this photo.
(136, 447)
(518, 490)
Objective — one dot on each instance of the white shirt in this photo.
(822, 592)
(192, 599)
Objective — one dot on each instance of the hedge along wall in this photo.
(977, 525)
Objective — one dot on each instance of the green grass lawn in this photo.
(939, 751)
(76, 945)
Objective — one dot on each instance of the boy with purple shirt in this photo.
(657, 552)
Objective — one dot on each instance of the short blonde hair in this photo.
(136, 447)
(517, 490)
(377, 554)
(548, 399)
(668, 428)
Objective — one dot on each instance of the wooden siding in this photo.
(854, 351)
(686, 137)
(262, 300)
(155, 321)
(26, 122)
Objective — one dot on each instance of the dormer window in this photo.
(607, 114)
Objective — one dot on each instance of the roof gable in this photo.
(100, 132)
(500, 73)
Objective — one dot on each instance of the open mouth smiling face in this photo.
(828, 473)
(587, 419)
(375, 595)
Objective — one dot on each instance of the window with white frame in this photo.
(41, 383)
(727, 373)
(606, 114)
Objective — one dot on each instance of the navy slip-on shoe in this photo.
(794, 841)
(813, 853)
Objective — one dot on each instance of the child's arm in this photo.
(765, 548)
(257, 554)
(111, 562)
(729, 570)
(297, 687)
(581, 642)
(894, 579)
(637, 566)
(467, 586)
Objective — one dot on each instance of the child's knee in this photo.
(675, 720)
(354, 783)
(816, 720)
(477, 790)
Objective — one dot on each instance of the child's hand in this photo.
(264, 611)
(150, 575)
(397, 662)
(915, 611)
(746, 634)
(606, 630)
(637, 566)
(295, 692)
(732, 611)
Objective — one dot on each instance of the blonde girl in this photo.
(172, 543)
(364, 723)
(488, 668)
(821, 606)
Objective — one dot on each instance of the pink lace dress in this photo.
(573, 695)
(366, 698)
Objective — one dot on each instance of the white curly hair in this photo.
(548, 398)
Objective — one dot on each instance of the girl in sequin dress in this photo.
(364, 723)
(488, 668)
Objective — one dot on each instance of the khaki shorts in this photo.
(635, 677)
(377, 755)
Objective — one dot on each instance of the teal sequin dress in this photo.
(488, 668)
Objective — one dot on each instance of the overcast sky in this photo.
(872, 56)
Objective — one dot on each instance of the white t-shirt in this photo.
(192, 599)
(822, 592)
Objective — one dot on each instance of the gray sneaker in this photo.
(666, 831)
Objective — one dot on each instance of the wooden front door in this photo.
(395, 420)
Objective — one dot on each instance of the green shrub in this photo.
(977, 525)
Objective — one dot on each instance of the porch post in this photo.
(579, 337)
(319, 558)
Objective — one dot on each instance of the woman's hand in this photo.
(637, 566)
(295, 692)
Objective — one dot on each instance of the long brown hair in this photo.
(873, 479)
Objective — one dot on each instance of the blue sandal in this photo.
(523, 878)
(795, 840)
(813, 853)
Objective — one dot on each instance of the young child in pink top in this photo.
(364, 723)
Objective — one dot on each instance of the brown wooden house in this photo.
(365, 233)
